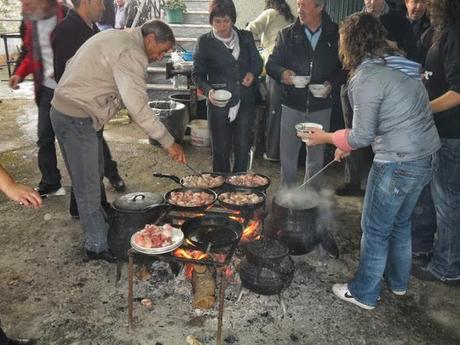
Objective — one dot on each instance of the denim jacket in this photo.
(392, 112)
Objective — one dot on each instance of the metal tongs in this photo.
(193, 169)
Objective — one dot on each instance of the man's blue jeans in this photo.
(445, 192)
(391, 194)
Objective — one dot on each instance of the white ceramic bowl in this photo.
(222, 96)
(300, 81)
(318, 90)
(304, 127)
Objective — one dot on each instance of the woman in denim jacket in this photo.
(392, 112)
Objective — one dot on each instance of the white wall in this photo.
(247, 10)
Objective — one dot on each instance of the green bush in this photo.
(175, 5)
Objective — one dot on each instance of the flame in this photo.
(190, 254)
(252, 230)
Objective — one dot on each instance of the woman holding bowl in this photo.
(392, 112)
(227, 58)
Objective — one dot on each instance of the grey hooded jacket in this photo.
(391, 110)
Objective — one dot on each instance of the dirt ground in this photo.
(48, 292)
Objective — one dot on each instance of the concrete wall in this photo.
(248, 10)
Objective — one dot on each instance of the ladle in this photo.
(315, 175)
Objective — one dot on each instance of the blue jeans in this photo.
(391, 194)
(445, 263)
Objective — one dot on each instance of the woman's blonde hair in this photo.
(362, 36)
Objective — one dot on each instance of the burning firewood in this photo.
(191, 340)
(204, 287)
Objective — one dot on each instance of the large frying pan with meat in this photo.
(212, 232)
(241, 199)
(204, 180)
(190, 199)
(248, 180)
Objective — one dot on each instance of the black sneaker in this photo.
(117, 182)
(45, 188)
(349, 190)
(106, 255)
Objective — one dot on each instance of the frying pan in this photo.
(212, 232)
(262, 188)
(180, 180)
(194, 190)
(245, 207)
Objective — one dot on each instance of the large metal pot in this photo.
(185, 99)
(173, 115)
(296, 227)
(130, 213)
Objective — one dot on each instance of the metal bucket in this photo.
(173, 115)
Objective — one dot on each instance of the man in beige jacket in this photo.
(108, 70)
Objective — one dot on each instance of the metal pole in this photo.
(223, 283)
(130, 290)
(138, 13)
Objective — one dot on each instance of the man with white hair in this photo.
(309, 47)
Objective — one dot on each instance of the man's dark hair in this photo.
(162, 31)
(222, 8)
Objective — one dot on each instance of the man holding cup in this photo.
(309, 47)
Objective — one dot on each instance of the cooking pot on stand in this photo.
(296, 227)
(130, 213)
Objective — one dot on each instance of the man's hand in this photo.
(14, 81)
(286, 77)
(248, 79)
(23, 195)
(340, 154)
(176, 152)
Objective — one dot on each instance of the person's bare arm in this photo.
(445, 102)
(20, 193)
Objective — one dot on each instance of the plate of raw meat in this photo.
(157, 239)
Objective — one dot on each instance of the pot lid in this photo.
(267, 249)
(137, 202)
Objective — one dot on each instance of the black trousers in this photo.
(358, 163)
(228, 137)
(273, 119)
(47, 161)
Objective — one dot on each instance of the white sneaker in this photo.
(398, 293)
(342, 292)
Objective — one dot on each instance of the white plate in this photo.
(177, 237)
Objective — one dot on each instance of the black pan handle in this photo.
(171, 177)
